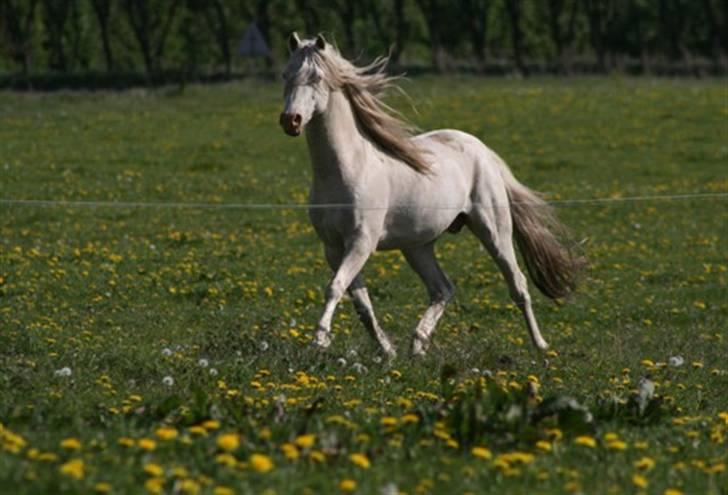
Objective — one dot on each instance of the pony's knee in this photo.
(335, 290)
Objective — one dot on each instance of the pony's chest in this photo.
(331, 223)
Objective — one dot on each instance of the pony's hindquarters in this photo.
(553, 267)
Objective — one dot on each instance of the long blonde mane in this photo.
(379, 122)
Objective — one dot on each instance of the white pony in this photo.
(380, 187)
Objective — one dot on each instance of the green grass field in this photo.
(185, 331)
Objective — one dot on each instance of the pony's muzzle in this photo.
(291, 123)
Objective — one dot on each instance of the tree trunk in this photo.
(102, 10)
(401, 31)
(262, 17)
(311, 19)
(561, 37)
(17, 30)
(476, 12)
(223, 36)
(55, 15)
(717, 21)
(597, 13)
(151, 25)
(514, 14)
(432, 11)
(347, 12)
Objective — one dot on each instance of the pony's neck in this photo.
(334, 140)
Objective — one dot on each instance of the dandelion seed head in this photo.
(168, 381)
(676, 361)
(63, 372)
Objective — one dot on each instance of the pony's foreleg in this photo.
(365, 310)
(439, 288)
(352, 261)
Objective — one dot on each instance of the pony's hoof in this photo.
(322, 340)
(390, 353)
(419, 348)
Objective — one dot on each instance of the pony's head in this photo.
(316, 69)
(306, 91)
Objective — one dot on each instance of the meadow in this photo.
(164, 347)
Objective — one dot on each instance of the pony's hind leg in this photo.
(439, 288)
(494, 228)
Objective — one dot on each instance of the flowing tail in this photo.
(553, 266)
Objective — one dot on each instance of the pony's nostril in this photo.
(296, 119)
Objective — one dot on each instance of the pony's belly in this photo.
(404, 231)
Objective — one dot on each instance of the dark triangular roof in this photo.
(253, 43)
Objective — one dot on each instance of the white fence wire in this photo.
(298, 206)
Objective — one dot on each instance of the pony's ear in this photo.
(320, 41)
(293, 41)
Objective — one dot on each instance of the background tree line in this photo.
(199, 38)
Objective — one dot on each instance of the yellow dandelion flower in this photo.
(102, 487)
(147, 444)
(71, 444)
(617, 445)
(481, 452)
(639, 481)
(73, 469)
(544, 445)
(222, 490)
(347, 485)
(360, 460)
(226, 459)
(211, 424)
(586, 441)
(154, 485)
(317, 456)
(197, 430)
(126, 442)
(305, 441)
(724, 416)
(153, 469)
(672, 491)
(388, 421)
(644, 464)
(228, 441)
(572, 487)
(554, 434)
(290, 451)
(261, 463)
(179, 472)
(410, 418)
(166, 433)
(190, 487)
